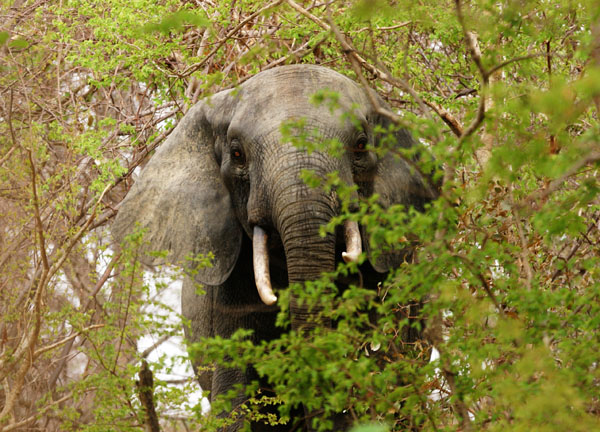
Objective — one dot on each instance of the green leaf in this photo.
(372, 427)
(176, 21)
(18, 43)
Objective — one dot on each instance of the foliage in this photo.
(505, 96)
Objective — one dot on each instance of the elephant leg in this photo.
(230, 318)
(221, 311)
(211, 314)
(223, 380)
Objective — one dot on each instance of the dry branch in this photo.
(530, 202)
(193, 68)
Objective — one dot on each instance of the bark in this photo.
(596, 58)
(146, 394)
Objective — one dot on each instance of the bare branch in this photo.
(10, 128)
(50, 347)
(591, 226)
(505, 63)
(155, 345)
(529, 201)
(38, 220)
(47, 274)
(193, 68)
(471, 39)
(349, 50)
(452, 122)
(475, 52)
(595, 55)
(31, 419)
(394, 27)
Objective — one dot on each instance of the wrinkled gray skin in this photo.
(198, 195)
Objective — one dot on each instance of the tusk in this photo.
(260, 258)
(353, 242)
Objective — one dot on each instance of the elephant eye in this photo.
(237, 155)
(361, 144)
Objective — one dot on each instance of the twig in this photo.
(147, 150)
(475, 53)
(7, 155)
(300, 52)
(394, 27)
(67, 348)
(32, 418)
(524, 250)
(31, 338)
(193, 68)
(505, 63)
(471, 39)
(524, 247)
(595, 55)
(155, 345)
(10, 128)
(349, 50)
(50, 347)
(308, 15)
(526, 202)
(484, 282)
(126, 317)
(577, 245)
(358, 71)
(434, 335)
(423, 401)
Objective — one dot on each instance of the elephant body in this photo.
(226, 182)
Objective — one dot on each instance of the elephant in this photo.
(225, 182)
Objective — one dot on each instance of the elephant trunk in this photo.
(297, 213)
(308, 254)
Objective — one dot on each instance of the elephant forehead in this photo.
(299, 79)
(285, 93)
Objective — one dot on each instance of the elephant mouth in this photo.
(260, 257)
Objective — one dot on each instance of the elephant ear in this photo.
(180, 201)
(397, 181)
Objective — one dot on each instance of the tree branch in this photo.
(475, 53)
(193, 68)
(155, 345)
(349, 50)
(528, 201)
(32, 337)
(36, 208)
(33, 418)
(455, 126)
(145, 388)
(50, 347)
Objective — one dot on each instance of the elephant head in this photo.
(225, 172)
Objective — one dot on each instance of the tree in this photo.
(505, 96)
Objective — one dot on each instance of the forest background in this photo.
(504, 94)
